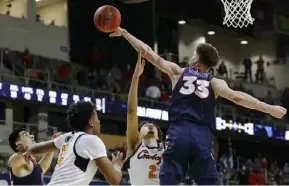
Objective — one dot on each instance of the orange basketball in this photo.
(107, 18)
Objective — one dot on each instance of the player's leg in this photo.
(175, 157)
(169, 173)
(203, 168)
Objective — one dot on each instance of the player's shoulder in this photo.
(15, 158)
(90, 142)
(217, 81)
(65, 136)
(90, 139)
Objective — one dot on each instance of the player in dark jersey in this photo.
(24, 170)
(192, 112)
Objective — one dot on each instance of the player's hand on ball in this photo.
(117, 32)
(277, 111)
(139, 66)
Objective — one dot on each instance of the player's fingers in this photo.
(113, 156)
(121, 155)
(112, 35)
(117, 154)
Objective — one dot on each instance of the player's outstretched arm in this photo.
(132, 132)
(48, 146)
(42, 147)
(221, 88)
(165, 66)
(46, 159)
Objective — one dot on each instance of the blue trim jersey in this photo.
(193, 98)
(34, 178)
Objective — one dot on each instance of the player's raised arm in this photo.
(132, 132)
(47, 146)
(221, 88)
(43, 147)
(165, 66)
(46, 159)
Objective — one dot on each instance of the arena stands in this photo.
(250, 147)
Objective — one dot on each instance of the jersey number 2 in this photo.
(189, 87)
(152, 172)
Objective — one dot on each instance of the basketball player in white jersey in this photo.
(82, 152)
(144, 147)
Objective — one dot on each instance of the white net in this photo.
(237, 13)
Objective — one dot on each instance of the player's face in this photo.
(95, 123)
(26, 138)
(149, 130)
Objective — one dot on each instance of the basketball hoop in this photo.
(237, 13)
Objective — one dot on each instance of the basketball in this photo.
(107, 18)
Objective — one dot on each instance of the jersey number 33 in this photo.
(193, 85)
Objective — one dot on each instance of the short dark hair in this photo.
(13, 138)
(79, 114)
(160, 132)
(208, 55)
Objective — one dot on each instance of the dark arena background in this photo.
(52, 55)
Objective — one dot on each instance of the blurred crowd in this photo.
(114, 79)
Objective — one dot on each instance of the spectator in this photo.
(261, 177)
(116, 73)
(286, 168)
(153, 92)
(63, 72)
(243, 176)
(273, 166)
(52, 23)
(127, 73)
(260, 69)
(247, 62)
(92, 78)
(258, 162)
(253, 179)
(222, 70)
(27, 59)
(224, 161)
(164, 94)
(38, 19)
(80, 76)
(264, 163)
(249, 164)
(110, 82)
(278, 177)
